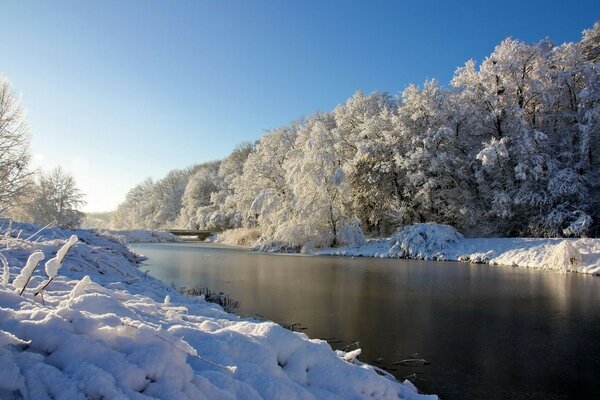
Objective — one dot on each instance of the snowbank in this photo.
(441, 242)
(140, 236)
(103, 329)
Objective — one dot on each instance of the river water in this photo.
(487, 332)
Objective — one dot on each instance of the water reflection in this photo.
(489, 332)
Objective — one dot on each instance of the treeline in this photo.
(511, 148)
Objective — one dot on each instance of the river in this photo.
(487, 332)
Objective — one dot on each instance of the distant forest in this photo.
(511, 148)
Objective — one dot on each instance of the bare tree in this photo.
(55, 198)
(15, 176)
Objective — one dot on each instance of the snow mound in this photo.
(103, 329)
(423, 241)
(563, 257)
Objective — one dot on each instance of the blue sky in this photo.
(117, 91)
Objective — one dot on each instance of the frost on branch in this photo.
(21, 281)
(578, 227)
(491, 153)
(52, 265)
(80, 287)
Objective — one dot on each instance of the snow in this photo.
(104, 329)
(441, 242)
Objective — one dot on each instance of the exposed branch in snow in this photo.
(53, 265)
(22, 280)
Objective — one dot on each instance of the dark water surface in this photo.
(488, 332)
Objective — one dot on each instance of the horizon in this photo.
(116, 93)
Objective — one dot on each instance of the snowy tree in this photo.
(224, 213)
(362, 123)
(320, 186)
(133, 212)
(508, 93)
(264, 177)
(15, 177)
(55, 197)
(201, 185)
(590, 43)
(437, 183)
(167, 195)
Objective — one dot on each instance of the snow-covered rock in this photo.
(103, 329)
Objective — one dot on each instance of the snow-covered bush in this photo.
(423, 241)
(351, 234)
(239, 237)
(289, 237)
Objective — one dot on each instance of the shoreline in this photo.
(106, 329)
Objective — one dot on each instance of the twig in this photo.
(43, 287)
(41, 229)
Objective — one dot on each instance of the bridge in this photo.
(202, 235)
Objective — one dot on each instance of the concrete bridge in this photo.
(202, 235)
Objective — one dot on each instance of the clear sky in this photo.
(117, 91)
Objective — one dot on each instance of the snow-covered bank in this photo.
(104, 329)
(437, 242)
(141, 236)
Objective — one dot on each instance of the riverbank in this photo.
(102, 328)
(550, 254)
(443, 243)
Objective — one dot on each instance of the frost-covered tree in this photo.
(15, 176)
(263, 180)
(316, 176)
(167, 195)
(223, 212)
(508, 93)
(432, 159)
(200, 186)
(153, 204)
(54, 197)
(133, 212)
(590, 43)
(363, 123)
